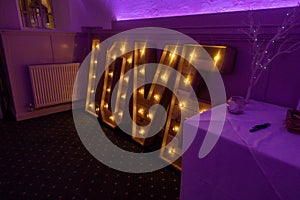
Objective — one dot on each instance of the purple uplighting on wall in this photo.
(132, 9)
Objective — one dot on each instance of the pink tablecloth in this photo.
(243, 165)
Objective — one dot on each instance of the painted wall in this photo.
(24, 48)
(207, 22)
(69, 15)
(96, 13)
(9, 15)
(61, 13)
(132, 9)
(11, 18)
(279, 86)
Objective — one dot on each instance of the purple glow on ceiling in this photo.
(133, 9)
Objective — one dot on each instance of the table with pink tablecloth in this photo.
(243, 165)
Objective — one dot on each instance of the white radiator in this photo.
(52, 84)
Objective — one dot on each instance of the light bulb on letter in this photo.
(141, 111)
(141, 131)
(156, 97)
(172, 150)
(175, 128)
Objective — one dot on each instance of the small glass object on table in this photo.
(236, 104)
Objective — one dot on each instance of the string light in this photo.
(172, 150)
(141, 91)
(156, 97)
(92, 91)
(129, 60)
(91, 105)
(120, 114)
(108, 90)
(110, 74)
(94, 76)
(192, 55)
(202, 111)
(126, 79)
(217, 57)
(123, 96)
(163, 77)
(123, 49)
(112, 118)
(142, 51)
(97, 109)
(141, 111)
(181, 105)
(141, 131)
(173, 55)
(175, 129)
(95, 61)
(97, 46)
(186, 81)
(149, 115)
(114, 57)
(142, 71)
(105, 105)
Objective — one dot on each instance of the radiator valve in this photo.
(31, 107)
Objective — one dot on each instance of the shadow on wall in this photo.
(5, 94)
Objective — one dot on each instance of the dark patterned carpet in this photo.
(43, 158)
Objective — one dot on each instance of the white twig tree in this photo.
(265, 51)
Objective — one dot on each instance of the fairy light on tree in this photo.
(265, 51)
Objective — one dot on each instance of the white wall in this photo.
(90, 13)
(71, 15)
(9, 15)
(61, 13)
(133, 9)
